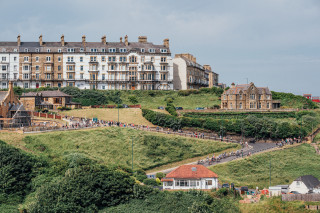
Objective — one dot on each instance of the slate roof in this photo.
(309, 180)
(192, 172)
(3, 94)
(46, 94)
(245, 87)
(16, 107)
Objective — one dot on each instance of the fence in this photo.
(115, 106)
(47, 115)
(304, 197)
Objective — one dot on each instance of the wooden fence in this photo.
(304, 197)
(47, 115)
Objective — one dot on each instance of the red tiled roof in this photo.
(192, 172)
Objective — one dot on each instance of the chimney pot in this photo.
(120, 39)
(18, 40)
(143, 39)
(84, 41)
(126, 40)
(166, 42)
(40, 40)
(104, 39)
(62, 40)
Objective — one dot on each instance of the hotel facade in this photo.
(102, 65)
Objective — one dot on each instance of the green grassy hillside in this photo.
(286, 165)
(112, 146)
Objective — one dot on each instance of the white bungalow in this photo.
(190, 177)
(304, 184)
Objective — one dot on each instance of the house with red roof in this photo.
(190, 177)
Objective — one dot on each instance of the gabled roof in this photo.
(309, 180)
(45, 94)
(192, 172)
(245, 87)
(3, 94)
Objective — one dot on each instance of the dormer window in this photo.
(151, 50)
(142, 50)
(123, 50)
(26, 50)
(103, 50)
(112, 50)
(15, 50)
(93, 50)
(164, 50)
(37, 50)
(59, 50)
(48, 50)
(81, 49)
(70, 50)
(3, 49)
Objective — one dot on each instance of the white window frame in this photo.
(164, 50)
(152, 50)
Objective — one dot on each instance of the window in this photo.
(252, 96)
(94, 50)
(26, 85)
(48, 50)
(163, 77)
(123, 50)
(4, 67)
(26, 76)
(142, 59)
(252, 105)
(59, 76)
(4, 58)
(59, 51)
(70, 68)
(14, 58)
(268, 105)
(231, 106)
(70, 50)
(103, 76)
(164, 50)
(103, 67)
(15, 68)
(103, 58)
(59, 68)
(123, 59)
(240, 96)
(15, 50)
(163, 59)
(48, 58)
(26, 68)
(37, 76)
(37, 59)
(112, 50)
(103, 50)
(48, 76)
(37, 68)
(70, 59)
(81, 68)
(37, 50)
(4, 76)
(111, 58)
(151, 50)
(142, 50)
(103, 87)
(81, 49)
(26, 58)
(193, 183)
(81, 59)
(182, 183)
(208, 182)
(298, 183)
(70, 76)
(112, 67)
(48, 68)
(59, 59)
(26, 50)
(93, 58)
(259, 105)
(268, 97)
(133, 59)
(15, 76)
(81, 75)
(152, 59)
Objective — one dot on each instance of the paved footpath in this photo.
(254, 148)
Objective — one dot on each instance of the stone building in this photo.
(47, 100)
(213, 78)
(246, 97)
(122, 65)
(188, 74)
(12, 111)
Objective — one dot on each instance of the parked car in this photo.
(199, 108)
(179, 108)
(161, 107)
(243, 189)
(125, 106)
(294, 192)
(225, 185)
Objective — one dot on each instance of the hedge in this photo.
(251, 126)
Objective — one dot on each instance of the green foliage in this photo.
(63, 108)
(84, 189)
(191, 201)
(251, 126)
(214, 90)
(171, 109)
(160, 175)
(150, 182)
(286, 166)
(16, 172)
(293, 101)
(133, 99)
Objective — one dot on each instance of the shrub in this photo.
(160, 175)
(133, 99)
(171, 109)
(150, 182)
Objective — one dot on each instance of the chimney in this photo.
(120, 39)
(194, 59)
(233, 85)
(142, 39)
(10, 86)
(104, 39)
(62, 40)
(166, 42)
(18, 40)
(40, 40)
(207, 67)
(84, 41)
(126, 40)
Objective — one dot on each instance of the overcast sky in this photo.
(273, 43)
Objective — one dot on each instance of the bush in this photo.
(133, 99)
(171, 109)
(84, 189)
(150, 182)
(160, 175)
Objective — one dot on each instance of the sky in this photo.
(274, 43)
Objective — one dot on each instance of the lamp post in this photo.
(132, 152)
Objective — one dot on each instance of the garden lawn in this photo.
(112, 146)
(286, 165)
(125, 115)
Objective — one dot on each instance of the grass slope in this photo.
(113, 146)
(125, 115)
(286, 165)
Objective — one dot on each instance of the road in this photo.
(254, 148)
